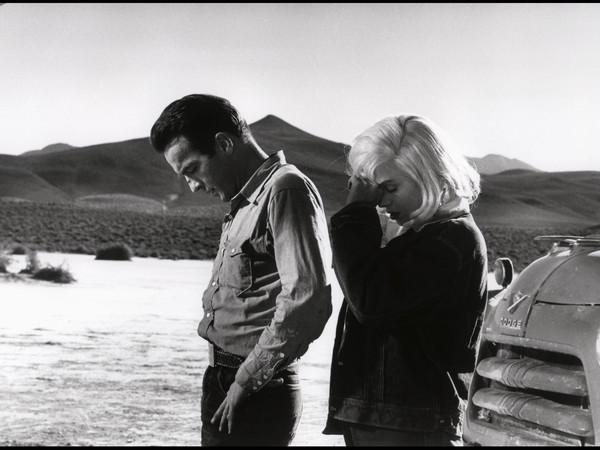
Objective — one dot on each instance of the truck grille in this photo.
(534, 395)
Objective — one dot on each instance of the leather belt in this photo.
(219, 357)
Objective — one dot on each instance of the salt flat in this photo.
(114, 358)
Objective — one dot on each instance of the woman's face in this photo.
(401, 195)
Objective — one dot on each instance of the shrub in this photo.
(5, 261)
(54, 274)
(115, 252)
(33, 263)
(83, 250)
(20, 250)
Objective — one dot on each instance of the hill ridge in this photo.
(518, 195)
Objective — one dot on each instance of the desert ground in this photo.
(114, 358)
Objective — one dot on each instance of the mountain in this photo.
(491, 164)
(130, 171)
(132, 167)
(129, 167)
(526, 198)
(20, 183)
(50, 149)
(322, 160)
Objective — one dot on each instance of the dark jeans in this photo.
(356, 435)
(268, 417)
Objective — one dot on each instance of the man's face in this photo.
(210, 173)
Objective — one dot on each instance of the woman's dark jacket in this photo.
(409, 322)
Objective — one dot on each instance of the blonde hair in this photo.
(424, 151)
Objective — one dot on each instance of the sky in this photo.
(517, 79)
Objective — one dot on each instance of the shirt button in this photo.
(213, 283)
(265, 377)
(281, 355)
(207, 314)
(259, 382)
(233, 250)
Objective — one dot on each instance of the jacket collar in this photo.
(451, 210)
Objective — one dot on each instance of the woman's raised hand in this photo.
(361, 190)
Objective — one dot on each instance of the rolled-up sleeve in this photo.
(302, 252)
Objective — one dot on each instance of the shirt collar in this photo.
(253, 186)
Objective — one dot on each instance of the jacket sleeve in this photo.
(303, 256)
(403, 283)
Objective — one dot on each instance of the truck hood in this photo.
(568, 275)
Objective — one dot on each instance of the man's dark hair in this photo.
(198, 117)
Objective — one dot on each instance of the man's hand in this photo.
(362, 191)
(225, 415)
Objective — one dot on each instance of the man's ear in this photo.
(224, 142)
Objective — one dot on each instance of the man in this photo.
(269, 296)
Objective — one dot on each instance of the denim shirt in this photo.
(409, 323)
(269, 295)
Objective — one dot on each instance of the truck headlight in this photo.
(503, 271)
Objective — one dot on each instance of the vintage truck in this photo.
(537, 375)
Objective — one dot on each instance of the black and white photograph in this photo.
(299, 224)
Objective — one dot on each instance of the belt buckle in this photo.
(211, 354)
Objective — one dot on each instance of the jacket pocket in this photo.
(237, 270)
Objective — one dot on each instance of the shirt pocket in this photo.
(236, 271)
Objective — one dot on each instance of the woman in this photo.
(409, 323)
